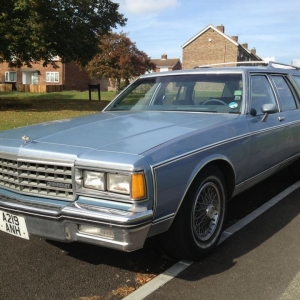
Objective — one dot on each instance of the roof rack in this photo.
(276, 64)
(272, 64)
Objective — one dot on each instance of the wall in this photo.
(75, 78)
(70, 76)
(177, 66)
(209, 48)
(35, 66)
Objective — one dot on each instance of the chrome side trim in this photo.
(161, 225)
(226, 141)
(188, 187)
(199, 150)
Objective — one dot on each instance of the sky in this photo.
(159, 27)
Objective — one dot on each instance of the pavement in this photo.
(260, 261)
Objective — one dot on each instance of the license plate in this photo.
(13, 224)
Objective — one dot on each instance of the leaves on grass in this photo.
(17, 113)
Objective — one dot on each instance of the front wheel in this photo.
(198, 225)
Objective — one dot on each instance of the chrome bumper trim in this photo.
(61, 223)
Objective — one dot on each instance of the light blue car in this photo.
(163, 158)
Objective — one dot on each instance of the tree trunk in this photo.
(118, 84)
(126, 82)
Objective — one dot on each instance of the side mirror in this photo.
(270, 108)
(267, 109)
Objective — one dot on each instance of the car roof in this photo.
(236, 67)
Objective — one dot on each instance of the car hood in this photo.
(124, 132)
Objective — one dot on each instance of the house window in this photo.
(164, 69)
(35, 78)
(52, 77)
(55, 58)
(10, 76)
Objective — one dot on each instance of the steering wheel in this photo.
(214, 100)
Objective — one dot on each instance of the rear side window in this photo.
(297, 80)
(286, 96)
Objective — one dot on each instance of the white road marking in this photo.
(256, 213)
(176, 269)
(292, 291)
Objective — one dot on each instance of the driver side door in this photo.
(268, 136)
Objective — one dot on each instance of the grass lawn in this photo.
(20, 109)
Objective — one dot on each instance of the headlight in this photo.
(94, 180)
(118, 183)
(132, 185)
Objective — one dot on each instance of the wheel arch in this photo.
(190, 247)
(228, 173)
(225, 167)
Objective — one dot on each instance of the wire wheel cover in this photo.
(206, 211)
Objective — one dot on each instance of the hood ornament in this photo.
(26, 139)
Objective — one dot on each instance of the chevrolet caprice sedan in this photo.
(163, 158)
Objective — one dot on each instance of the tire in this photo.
(198, 225)
(294, 170)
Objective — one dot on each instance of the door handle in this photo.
(281, 119)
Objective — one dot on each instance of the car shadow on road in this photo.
(151, 259)
(262, 237)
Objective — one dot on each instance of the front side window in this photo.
(10, 76)
(52, 77)
(203, 92)
(261, 93)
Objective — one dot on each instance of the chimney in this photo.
(164, 56)
(235, 38)
(245, 45)
(221, 28)
(253, 51)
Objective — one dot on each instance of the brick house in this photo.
(166, 64)
(211, 45)
(43, 79)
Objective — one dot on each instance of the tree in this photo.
(38, 30)
(118, 58)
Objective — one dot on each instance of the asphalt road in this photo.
(39, 269)
(261, 261)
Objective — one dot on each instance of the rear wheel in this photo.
(198, 225)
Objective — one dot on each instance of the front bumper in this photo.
(128, 230)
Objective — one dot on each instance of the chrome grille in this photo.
(31, 178)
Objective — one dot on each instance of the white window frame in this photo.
(164, 69)
(10, 76)
(52, 77)
(55, 58)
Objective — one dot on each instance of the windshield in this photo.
(219, 93)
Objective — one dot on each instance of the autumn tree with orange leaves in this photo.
(118, 59)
